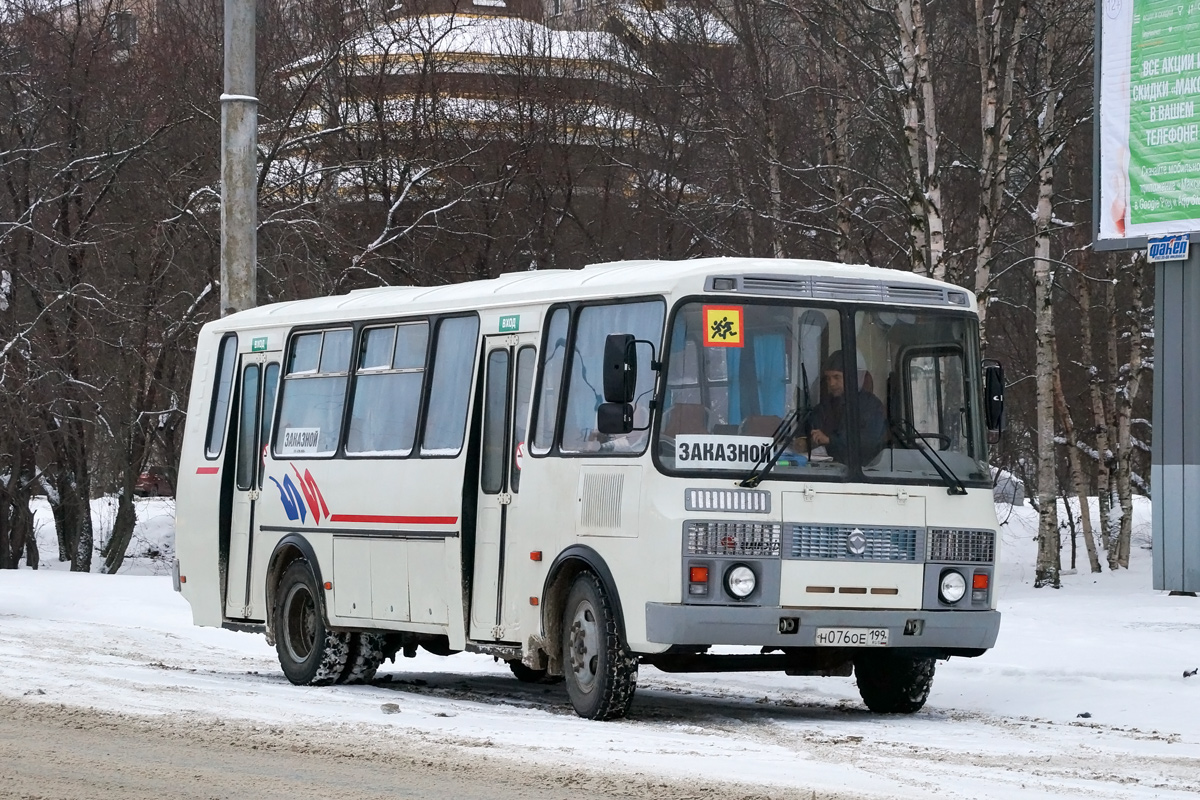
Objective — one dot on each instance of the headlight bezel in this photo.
(956, 590)
(745, 577)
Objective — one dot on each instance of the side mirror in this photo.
(993, 399)
(620, 368)
(614, 418)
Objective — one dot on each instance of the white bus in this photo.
(581, 471)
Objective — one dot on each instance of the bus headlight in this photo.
(952, 586)
(740, 581)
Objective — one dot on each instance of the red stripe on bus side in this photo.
(396, 520)
(206, 470)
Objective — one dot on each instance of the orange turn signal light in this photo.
(183, 578)
(699, 574)
(533, 601)
(979, 580)
(536, 555)
(328, 585)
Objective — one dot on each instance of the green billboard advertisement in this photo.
(1149, 130)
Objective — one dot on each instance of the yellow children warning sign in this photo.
(722, 326)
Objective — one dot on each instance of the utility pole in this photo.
(239, 173)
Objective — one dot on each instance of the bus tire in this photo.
(529, 675)
(894, 683)
(309, 653)
(601, 674)
(365, 656)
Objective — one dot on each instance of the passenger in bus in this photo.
(828, 424)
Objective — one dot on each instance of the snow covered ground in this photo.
(1083, 696)
(150, 551)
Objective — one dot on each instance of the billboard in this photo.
(1148, 137)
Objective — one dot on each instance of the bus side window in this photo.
(585, 390)
(450, 386)
(222, 387)
(313, 394)
(525, 361)
(387, 390)
(554, 353)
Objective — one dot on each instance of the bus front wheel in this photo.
(894, 683)
(601, 675)
(309, 653)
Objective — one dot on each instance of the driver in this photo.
(829, 425)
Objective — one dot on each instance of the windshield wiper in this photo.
(912, 439)
(780, 439)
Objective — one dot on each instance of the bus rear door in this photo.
(260, 380)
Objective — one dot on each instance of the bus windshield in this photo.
(871, 389)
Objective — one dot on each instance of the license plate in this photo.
(852, 637)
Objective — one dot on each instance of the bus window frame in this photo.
(285, 378)
(360, 330)
(358, 326)
(574, 308)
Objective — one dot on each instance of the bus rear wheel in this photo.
(365, 656)
(601, 675)
(529, 675)
(309, 653)
(894, 683)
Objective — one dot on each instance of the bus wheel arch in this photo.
(310, 652)
(585, 639)
(292, 547)
(563, 571)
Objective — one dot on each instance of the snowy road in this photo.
(66, 753)
(1084, 696)
(1004, 725)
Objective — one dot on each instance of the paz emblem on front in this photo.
(856, 542)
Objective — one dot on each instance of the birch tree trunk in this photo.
(997, 67)
(933, 183)
(1099, 417)
(919, 222)
(1077, 482)
(1128, 386)
(1049, 565)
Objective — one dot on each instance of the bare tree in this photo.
(998, 39)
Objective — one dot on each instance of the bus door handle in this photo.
(254, 494)
(504, 498)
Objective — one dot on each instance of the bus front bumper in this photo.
(674, 624)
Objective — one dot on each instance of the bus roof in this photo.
(612, 279)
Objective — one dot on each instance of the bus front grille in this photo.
(964, 546)
(852, 543)
(733, 538)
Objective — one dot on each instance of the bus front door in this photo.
(508, 369)
(260, 379)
